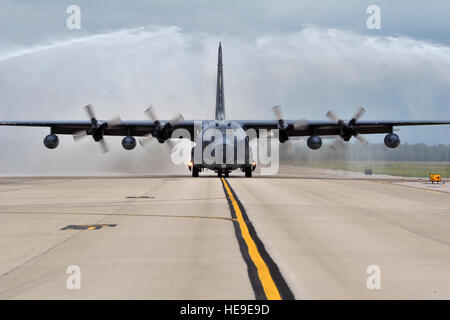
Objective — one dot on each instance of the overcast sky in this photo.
(26, 21)
(308, 56)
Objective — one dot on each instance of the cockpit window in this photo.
(227, 127)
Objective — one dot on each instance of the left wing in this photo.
(337, 127)
(344, 130)
(328, 128)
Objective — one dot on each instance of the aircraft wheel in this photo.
(248, 172)
(195, 171)
(227, 173)
(219, 173)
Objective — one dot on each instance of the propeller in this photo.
(162, 132)
(97, 128)
(283, 127)
(347, 130)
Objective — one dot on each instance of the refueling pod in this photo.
(128, 143)
(314, 142)
(392, 140)
(51, 141)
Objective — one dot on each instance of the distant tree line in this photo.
(372, 152)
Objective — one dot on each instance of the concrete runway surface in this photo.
(207, 238)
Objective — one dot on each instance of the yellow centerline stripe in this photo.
(267, 282)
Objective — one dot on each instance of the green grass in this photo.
(393, 168)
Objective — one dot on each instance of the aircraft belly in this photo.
(227, 159)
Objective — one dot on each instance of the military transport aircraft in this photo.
(223, 143)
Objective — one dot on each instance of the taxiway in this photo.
(178, 238)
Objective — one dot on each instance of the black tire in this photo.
(195, 171)
(219, 173)
(227, 173)
(248, 172)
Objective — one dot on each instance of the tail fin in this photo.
(220, 99)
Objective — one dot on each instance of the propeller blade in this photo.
(79, 135)
(103, 145)
(277, 111)
(359, 113)
(301, 124)
(361, 139)
(170, 144)
(145, 140)
(114, 122)
(176, 120)
(289, 146)
(151, 113)
(337, 143)
(90, 111)
(332, 116)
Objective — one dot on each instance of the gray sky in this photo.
(29, 22)
(308, 56)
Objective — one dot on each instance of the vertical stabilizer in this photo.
(220, 99)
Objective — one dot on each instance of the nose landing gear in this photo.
(223, 172)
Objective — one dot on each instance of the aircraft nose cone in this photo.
(221, 152)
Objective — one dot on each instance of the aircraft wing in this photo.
(125, 128)
(329, 128)
(142, 128)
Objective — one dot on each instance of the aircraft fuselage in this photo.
(222, 146)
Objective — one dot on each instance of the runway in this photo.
(207, 238)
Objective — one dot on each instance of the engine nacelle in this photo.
(51, 141)
(128, 143)
(392, 140)
(314, 142)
